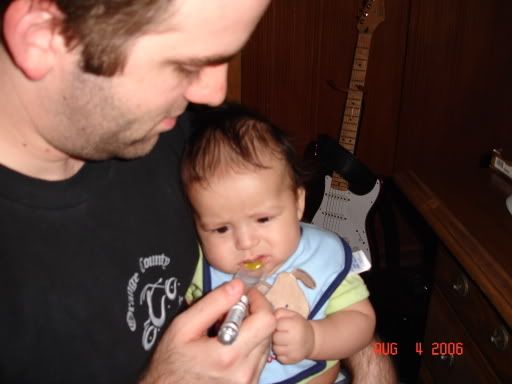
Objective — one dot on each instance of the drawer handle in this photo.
(461, 285)
(500, 337)
(448, 359)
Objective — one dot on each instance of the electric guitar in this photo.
(341, 210)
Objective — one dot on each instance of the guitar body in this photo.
(344, 213)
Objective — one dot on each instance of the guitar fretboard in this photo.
(352, 113)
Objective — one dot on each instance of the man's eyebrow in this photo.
(203, 61)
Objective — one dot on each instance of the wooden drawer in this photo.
(476, 313)
(468, 366)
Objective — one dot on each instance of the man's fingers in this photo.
(195, 321)
(256, 331)
(258, 302)
(258, 327)
(246, 356)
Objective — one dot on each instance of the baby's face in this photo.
(248, 215)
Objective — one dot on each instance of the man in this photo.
(95, 251)
(97, 255)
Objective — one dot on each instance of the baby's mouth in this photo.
(255, 263)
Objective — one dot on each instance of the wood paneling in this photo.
(234, 92)
(457, 85)
(437, 87)
(302, 46)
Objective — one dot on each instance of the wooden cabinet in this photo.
(450, 355)
(468, 328)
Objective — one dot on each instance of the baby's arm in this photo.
(294, 338)
(343, 333)
(338, 336)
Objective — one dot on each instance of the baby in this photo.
(243, 181)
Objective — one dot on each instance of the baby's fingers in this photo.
(283, 354)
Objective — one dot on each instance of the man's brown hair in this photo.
(104, 29)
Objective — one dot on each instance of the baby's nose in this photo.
(245, 239)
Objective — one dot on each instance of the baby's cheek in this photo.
(221, 256)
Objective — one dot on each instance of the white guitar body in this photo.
(344, 213)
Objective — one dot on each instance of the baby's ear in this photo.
(301, 202)
(31, 31)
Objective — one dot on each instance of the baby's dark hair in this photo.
(233, 137)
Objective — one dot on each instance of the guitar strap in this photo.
(336, 158)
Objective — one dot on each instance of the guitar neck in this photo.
(352, 113)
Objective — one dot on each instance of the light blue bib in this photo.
(327, 258)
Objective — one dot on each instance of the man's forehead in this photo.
(207, 32)
(214, 15)
(181, 12)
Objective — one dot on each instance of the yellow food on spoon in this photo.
(253, 265)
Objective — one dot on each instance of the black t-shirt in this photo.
(93, 268)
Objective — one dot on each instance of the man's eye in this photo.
(263, 219)
(188, 70)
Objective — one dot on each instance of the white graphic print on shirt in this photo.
(153, 297)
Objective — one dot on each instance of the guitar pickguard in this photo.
(344, 213)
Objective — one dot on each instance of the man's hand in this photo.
(294, 338)
(186, 354)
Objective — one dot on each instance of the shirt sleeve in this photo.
(195, 290)
(351, 290)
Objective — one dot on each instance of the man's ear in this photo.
(31, 31)
(301, 202)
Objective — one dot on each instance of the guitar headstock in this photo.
(370, 16)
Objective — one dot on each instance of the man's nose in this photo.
(210, 86)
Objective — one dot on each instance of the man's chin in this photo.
(133, 150)
(139, 148)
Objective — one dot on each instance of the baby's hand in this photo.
(294, 338)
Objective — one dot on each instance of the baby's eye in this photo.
(220, 230)
(263, 219)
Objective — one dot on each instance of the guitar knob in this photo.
(448, 359)
(500, 337)
(461, 285)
